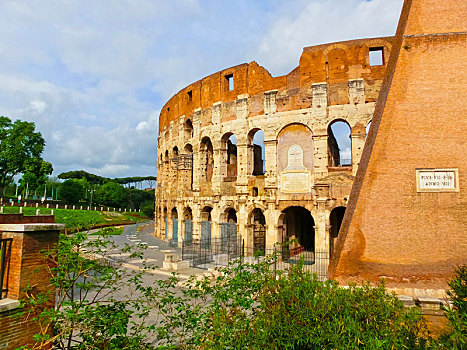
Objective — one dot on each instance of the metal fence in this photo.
(222, 251)
(5, 251)
(212, 252)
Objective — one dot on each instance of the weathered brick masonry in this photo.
(394, 227)
(26, 268)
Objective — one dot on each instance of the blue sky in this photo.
(93, 75)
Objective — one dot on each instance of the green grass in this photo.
(80, 218)
(112, 231)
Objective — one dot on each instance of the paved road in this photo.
(141, 234)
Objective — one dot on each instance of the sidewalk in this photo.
(141, 233)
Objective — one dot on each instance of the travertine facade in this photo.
(300, 188)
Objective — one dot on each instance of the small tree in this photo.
(19, 145)
(72, 191)
(111, 194)
(86, 314)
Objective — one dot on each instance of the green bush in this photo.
(148, 209)
(456, 337)
(251, 307)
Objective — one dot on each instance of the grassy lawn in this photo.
(73, 218)
(110, 231)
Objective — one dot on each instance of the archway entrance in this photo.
(205, 240)
(335, 220)
(298, 228)
(188, 219)
(257, 224)
(174, 225)
(229, 239)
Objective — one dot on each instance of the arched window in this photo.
(339, 144)
(256, 138)
(207, 159)
(229, 156)
(188, 129)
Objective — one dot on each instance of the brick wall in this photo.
(26, 268)
(413, 239)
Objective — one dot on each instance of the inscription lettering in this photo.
(437, 180)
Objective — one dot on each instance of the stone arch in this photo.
(206, 159)
(206, 222)
(256, 152)
(297, 226)
(295, 158)
(188, 129)
(187, 225)
(339, 143)
(335, 221)
(229, 155)
(257, 231)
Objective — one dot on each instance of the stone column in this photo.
(243, 151)
(320, 146)
(271, 216)
(321, 219)
(270, 106)
(196, 212)
(270, 155)
(196, 167)
(219, 164)
(358, 142)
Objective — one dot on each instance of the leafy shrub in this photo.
(456, 337)
(148, 209)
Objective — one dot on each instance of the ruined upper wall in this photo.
(334, 64)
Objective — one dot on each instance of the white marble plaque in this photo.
(437, 180)
(295, 181)
(295, 178)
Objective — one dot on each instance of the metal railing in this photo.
(220, 252)
(5, 251)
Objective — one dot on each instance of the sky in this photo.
(93, 75)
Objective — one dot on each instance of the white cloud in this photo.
(92, 75)
(323, 21)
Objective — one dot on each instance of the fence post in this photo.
(21, 210)
(38, 211)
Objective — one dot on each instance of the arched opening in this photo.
(186, 165)
(335, 221)
(166, 223)
(256, 137)
(257, 229)
(339, 144)
(229, 157)
(206, 219)
(174, 215)
(188, 221)
(188, 129)
(207, 159)
(298, 230)
(229, 231)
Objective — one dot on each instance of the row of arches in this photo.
(296, 227)
(339, 151)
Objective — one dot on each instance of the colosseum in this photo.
(244, 154)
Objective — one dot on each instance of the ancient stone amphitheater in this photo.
(245, 154)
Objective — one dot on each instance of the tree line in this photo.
(21, 148)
